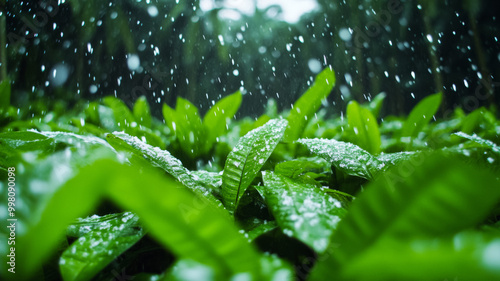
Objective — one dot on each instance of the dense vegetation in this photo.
(107, 192)
(77, 49)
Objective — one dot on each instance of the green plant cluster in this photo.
(105, 191)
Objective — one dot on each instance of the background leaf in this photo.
(186, 123)
(142, 112)
(305, 107)
(421, 115)
(364, 128)
(247, 158)
(217, 118)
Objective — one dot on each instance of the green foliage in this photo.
(364, 128)
(439, 197)
(197, 137)
(245, 204)
(309, 103)
(247, 158)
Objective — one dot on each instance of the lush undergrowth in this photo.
(105, 192)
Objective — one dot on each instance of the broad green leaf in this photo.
(94, 250)
(186, 123)
(364, 128)
(347, 157)
(165, 160)
(376, 104)
(247, 158)
(179, 221)
(465, 256)
(305, 107)
(435, 197)
(4, 95)
(142, 112)
(421, 115)
(217, 118)
(301, 210)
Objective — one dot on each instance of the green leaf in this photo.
(165, 160)
(346, 157)
(421, 115)
(376, 104)
(4, 95)
(186, 123)
(54, 202)
(218, 117)
(465, 256)
(305, 107)
(301, 210)
(142, 112)
(247, 158)
(364, 128)
(94, 250)
(14, 144)
(437, 197)
(179, 221)
(122, 115)
(481, 141)
(297, 167)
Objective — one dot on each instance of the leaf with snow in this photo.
(93, 251)
(247, 158)
(165, 160)
(479, 140)
(346, 157)
(302, 210)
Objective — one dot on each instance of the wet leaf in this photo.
(247, 158)
(346, 157)
(301, 210)
(165, 160)
(94, 250)
(182, 223)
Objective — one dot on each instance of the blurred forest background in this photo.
(72, 50)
